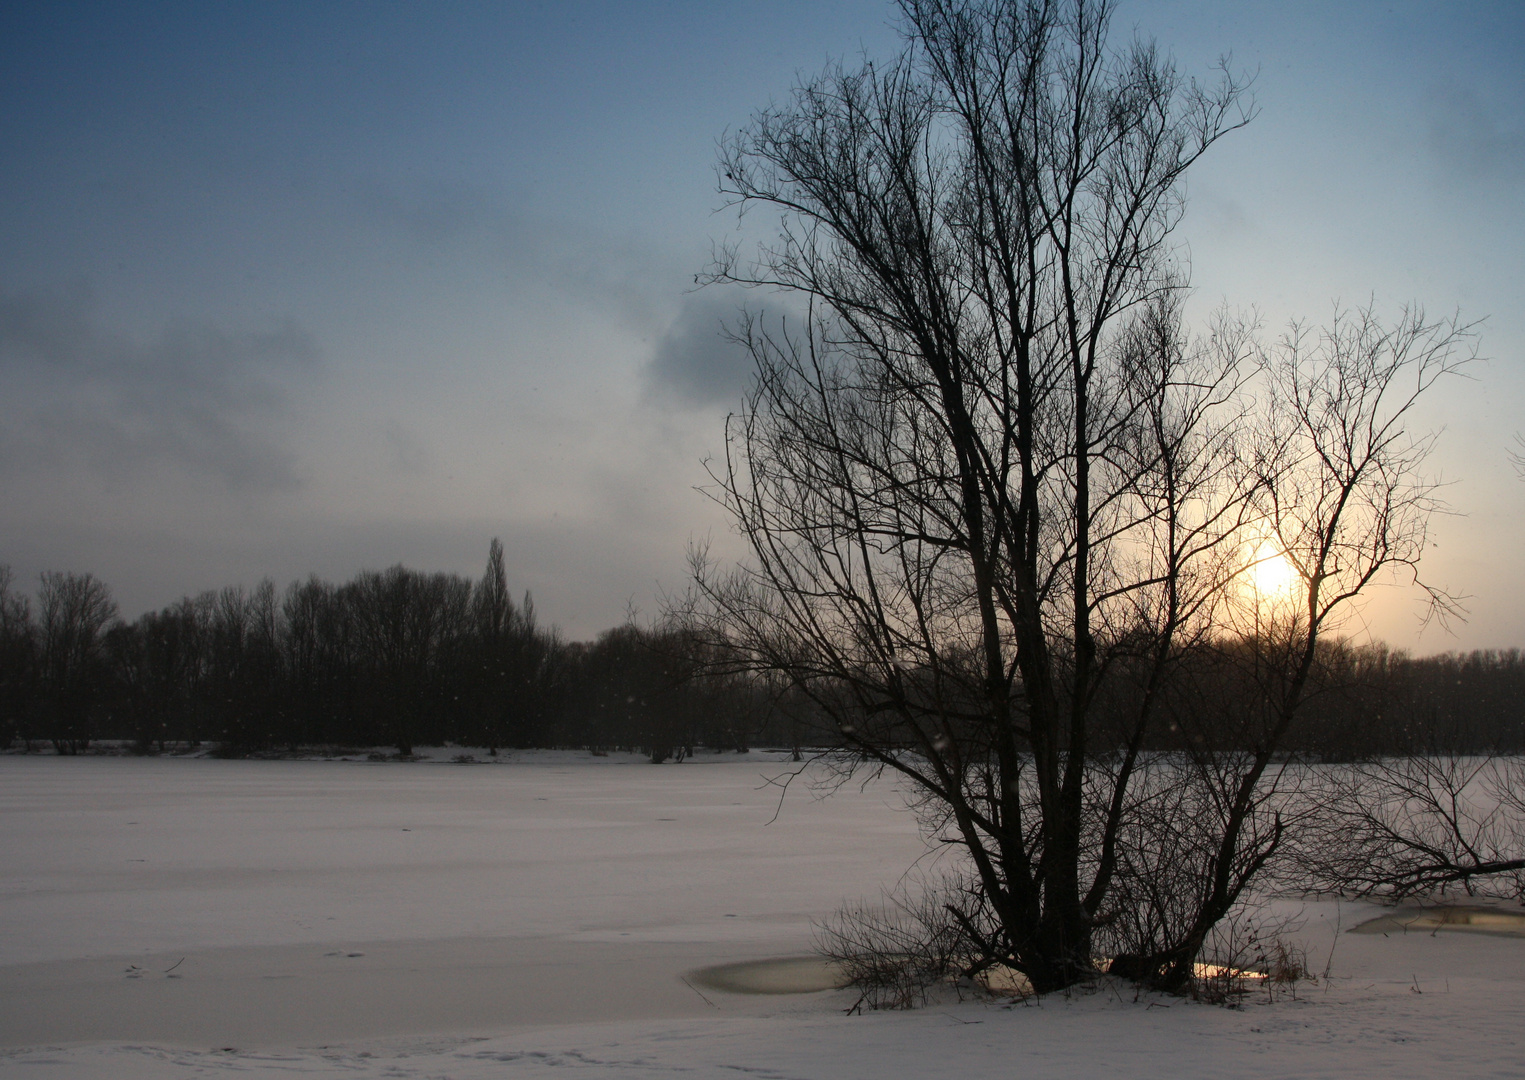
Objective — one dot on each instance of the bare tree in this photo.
(506, 661)
(1419, 825)
(1000, 506)
(18, 649)
(73, 611)
(1341, 502)
(158, 664)
(407, 627)
(244, 666)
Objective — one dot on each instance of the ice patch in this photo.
(1479, 919)
(782, 975)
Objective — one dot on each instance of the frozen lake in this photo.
(354, 899)
(194, 917)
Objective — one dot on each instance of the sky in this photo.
(310, 288)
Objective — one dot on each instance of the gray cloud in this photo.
(432, 215)
(1466, 139)
(576, 258)
(695, 362)
(405, 452)
(82, 394)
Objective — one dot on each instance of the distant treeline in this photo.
(1375, 700)
(402, 658)
(1362, 701)
(392, 658)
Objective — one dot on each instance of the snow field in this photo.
(168, 918)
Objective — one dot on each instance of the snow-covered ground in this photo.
(174, 918)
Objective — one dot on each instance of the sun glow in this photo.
(1271, 573)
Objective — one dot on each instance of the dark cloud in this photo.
(78, 393)
(696, 362)
(1468, 142)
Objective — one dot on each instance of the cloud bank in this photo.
(196, 396)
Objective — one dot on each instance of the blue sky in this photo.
(293, 288)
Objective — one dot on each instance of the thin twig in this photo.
(696, 990)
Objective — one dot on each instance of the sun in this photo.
(1271, 573)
